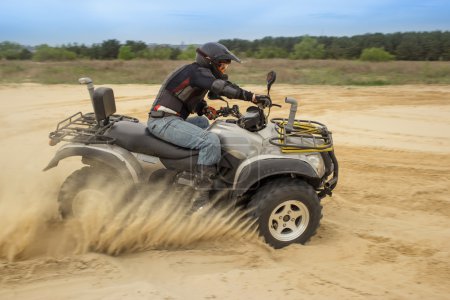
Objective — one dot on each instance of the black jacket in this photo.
(184, 90)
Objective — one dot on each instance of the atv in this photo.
(277, 169)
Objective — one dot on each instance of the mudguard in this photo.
(250, 174)
(113, 156)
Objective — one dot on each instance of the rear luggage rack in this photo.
(84, 128)
(301, 136)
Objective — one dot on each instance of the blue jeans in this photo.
(189, 133)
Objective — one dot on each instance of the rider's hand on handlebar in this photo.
(262, 100)
(210, 113)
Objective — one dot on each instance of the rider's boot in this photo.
(204, 176)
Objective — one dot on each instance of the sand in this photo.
(385, 232)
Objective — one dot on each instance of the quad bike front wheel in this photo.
(89, 189)
(287, 211)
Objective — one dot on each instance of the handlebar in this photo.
(268, 103)
(234, 111)
(227, 111)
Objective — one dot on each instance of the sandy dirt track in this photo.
(385, 232)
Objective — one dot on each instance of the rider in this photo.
(181, 94)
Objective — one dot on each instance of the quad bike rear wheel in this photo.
(287, 211)
(89, 188)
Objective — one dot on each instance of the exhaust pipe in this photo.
(90, 87)
(290, 124)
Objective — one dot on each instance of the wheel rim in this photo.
(289, 220)
(90, 201)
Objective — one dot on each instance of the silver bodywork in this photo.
(254, 146)
(116, 153)
(248, 147)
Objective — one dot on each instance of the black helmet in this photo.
(210, 55)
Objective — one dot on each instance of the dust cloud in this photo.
(30, 224)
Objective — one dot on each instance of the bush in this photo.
(109, 49)
(13, 51)
(158, 52)
(188, 53)
(376, 54)
(125, 53)
(308, 48)
(271, 52)
(45, 53)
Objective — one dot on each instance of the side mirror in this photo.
(271, 77)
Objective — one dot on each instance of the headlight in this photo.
(316, 161)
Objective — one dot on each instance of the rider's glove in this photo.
(262, 100)
(210, 113)
(246, 95)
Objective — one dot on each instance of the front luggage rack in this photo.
(84, 128)
(304, 136)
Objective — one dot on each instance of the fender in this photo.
(116, 157)
(267, 166)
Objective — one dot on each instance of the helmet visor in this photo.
(228, 56)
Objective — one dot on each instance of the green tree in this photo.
(431, 44)
(136, 46)
(392, 42)
(94, 51)
(409, 47)
(445, 46)
(340, 48)
(45, 53)
(271, 52)
(237, 45)
(25, 54)
(188, 53)
(82, 51)
(406, 46)
(158, 52)
(125, 53)
(9, 50)
(308, 48)
(109, 49)
(174, 54)
(376, 54)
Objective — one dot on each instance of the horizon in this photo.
(88, 22)
(184, 44)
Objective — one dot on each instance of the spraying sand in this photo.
(385, 232)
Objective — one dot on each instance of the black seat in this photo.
(135, 137)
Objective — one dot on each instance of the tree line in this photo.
(107, 50)
(434, 45)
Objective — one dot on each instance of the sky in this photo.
(53, 22)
